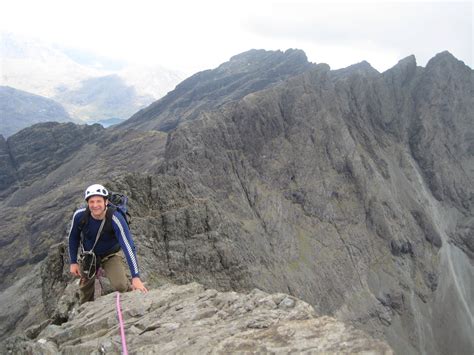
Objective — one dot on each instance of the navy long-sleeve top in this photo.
(107, 242)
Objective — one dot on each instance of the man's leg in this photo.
(114, 268)
(86, 290)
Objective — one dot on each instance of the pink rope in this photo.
(122, 331)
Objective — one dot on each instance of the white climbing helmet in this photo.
(95, 190)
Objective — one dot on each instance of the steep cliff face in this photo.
(349, 189)
(344, 195)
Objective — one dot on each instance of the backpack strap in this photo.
(85, 219)
(82, 224)
(99, 233)
(108, 228)
(128, 218)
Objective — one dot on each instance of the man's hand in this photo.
(137, 284)
(74, 269)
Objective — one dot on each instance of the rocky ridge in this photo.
(190, 319)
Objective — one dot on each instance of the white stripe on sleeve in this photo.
(127, 244)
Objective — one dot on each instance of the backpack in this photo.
(116, 202)
(119, 202)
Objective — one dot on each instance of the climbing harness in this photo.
(88, 259)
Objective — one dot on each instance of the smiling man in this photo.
(102, 230)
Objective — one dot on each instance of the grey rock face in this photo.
(448, 108)
(54, 280)
(37, 151)
(8, 173)
(21, 306)
(327, 162)
(20, 109)
(190, 319)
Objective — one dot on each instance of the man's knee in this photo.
(120, 285)
(115, 271)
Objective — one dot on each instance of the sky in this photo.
(191, 36)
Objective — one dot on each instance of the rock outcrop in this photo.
(190, 319)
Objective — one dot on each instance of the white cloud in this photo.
(382, 33)
(197, 35)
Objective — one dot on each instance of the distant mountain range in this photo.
(90, 88)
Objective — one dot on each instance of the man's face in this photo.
(97, 206)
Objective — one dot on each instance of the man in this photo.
(88, 221)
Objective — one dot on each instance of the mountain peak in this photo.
(260, 54)
(409, 60)
(363, 68)
(445, 55)
(445, 59)
(256, 59)
(243, 74)
(403, 71)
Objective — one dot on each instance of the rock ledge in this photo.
(190, 319)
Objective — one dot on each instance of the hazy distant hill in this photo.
(20, 109)
(64, 74)
(102, 98)
(38, 67)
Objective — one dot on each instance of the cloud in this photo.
(399, 29)
(197, 35)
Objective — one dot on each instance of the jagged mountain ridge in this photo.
(243, 74)
(20, 109)
(327, 185)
